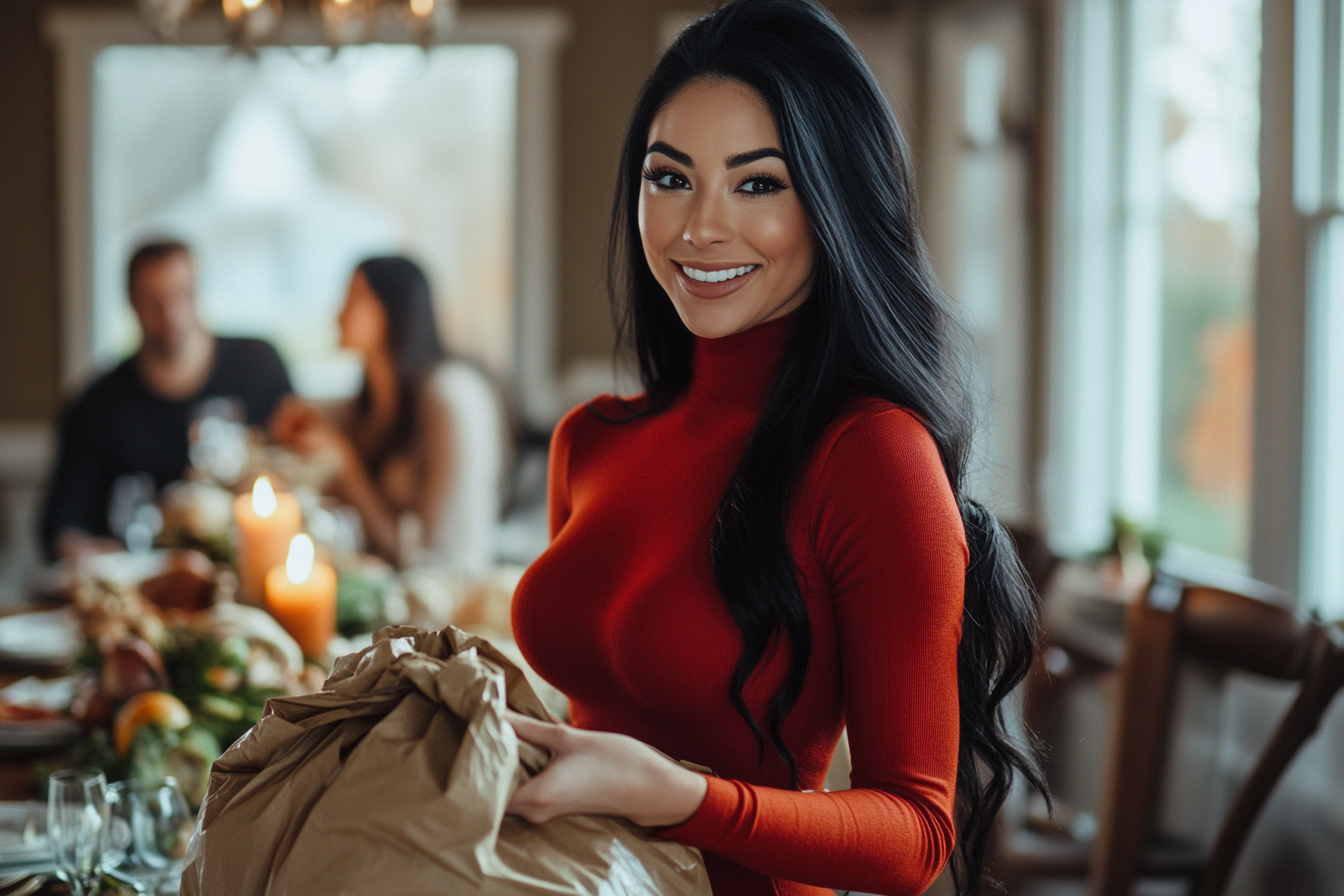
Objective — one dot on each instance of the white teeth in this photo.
(717, 276)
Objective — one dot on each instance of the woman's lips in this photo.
(703, 290)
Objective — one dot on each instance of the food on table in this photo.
(156, 736)
(111, 613)
(172, 669)
(187, 585)
(226, 681)
(182, 753)
(257, 628)
(130, 668)
(11, 712)
(359, 603)
(93, 708)
(157, 708)
(198, 515)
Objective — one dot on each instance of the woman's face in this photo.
(363, 320)
(721, 224)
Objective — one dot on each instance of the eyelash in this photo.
(653, 175)
(769, 182)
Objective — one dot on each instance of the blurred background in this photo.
(1137, 204)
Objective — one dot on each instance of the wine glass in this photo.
(117, 847)
(162, 825)
(77, 823)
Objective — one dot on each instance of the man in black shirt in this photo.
(135, 419)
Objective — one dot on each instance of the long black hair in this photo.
(877, 323)
(402, 288)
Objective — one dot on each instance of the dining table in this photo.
(18, 765)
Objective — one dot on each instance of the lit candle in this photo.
(266, 523)
(301, 595)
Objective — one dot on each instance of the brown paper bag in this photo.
(394, 779)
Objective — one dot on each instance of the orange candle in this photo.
(266, 523)
(301, 595)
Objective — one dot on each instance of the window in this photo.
(1207, 80)
(284, 170)
(1156, 231)
(522, 332)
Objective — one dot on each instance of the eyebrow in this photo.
(734, 161)
(746, 158)
(675, 155)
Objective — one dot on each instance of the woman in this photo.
(420, 451)
(772, 543)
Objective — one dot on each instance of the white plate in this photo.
(16, 821)
(46, 638)
(38, 734)
(125, 568)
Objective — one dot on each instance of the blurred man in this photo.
(130, 427)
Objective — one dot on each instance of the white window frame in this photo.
(1102, 434)
(1318, 201)
(536, 36)
(1102, 449)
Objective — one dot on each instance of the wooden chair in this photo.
(1227, 630)
(1040, 563)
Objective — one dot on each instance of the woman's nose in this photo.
(708, 223)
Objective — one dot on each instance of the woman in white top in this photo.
(421, 449)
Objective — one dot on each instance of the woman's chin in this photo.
(717, 318)
(713, 321)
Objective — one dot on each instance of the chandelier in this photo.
(343, 21)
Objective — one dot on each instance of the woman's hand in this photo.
(291, 417)
(595, 773)
(304, 429)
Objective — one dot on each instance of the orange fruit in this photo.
(148, 708)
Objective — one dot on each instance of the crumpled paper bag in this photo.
(394, 779)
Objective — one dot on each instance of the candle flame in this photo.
(263, 498)
(252, 4)
(422, 8)
(299, 563)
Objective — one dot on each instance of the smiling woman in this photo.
(773, 543)
(728, 240)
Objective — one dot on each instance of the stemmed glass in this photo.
(77, 823)
(117, 846)
(155, 824)
(163, 828)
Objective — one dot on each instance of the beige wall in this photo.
(29, 333)
(608, 55)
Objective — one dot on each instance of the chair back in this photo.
(1230, 630)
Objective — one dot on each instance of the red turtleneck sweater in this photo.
(622, 614)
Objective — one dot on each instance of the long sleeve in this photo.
(76, 496)
(889, 540)
(623, 613)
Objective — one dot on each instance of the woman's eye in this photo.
(667, 180)
(761, 185)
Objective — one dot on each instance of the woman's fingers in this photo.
(532, 801)
(537, 800)
(534, 731)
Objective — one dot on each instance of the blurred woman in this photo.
(420, 450)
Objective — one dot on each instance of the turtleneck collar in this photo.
(743, 365)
